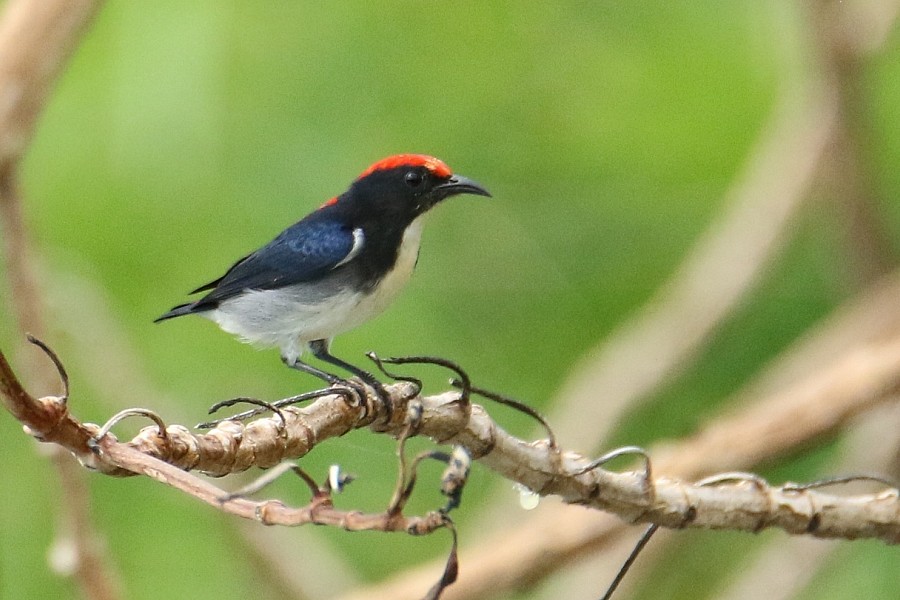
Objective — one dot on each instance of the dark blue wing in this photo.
(303, 252)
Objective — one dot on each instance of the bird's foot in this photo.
(361, 383)
(367, 390)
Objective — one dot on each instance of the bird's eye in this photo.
(413, 179)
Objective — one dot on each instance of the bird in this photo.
(333, 270)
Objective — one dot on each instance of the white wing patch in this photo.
(359, 238)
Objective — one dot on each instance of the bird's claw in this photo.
(364, 390)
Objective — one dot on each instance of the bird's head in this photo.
(405, 186)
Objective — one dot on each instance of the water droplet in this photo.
(528, 499)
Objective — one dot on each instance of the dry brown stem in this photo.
(269, 512)
(865, 378)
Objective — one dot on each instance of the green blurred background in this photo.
(184, 135)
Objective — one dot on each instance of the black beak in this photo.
(457, 184)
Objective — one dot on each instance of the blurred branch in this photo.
(711, 282)
(816, 130)
(273, 555)
(842, 52)
(36, 40)
(37, 37)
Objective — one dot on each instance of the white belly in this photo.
(289, 318)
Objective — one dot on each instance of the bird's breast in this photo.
(386, 289)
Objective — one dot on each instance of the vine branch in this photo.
(735, 502)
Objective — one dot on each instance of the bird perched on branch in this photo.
(336, 268)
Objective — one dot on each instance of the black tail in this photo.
(178, 311)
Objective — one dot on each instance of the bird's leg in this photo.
(327, 377)
(319, 349)
(315, 372)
